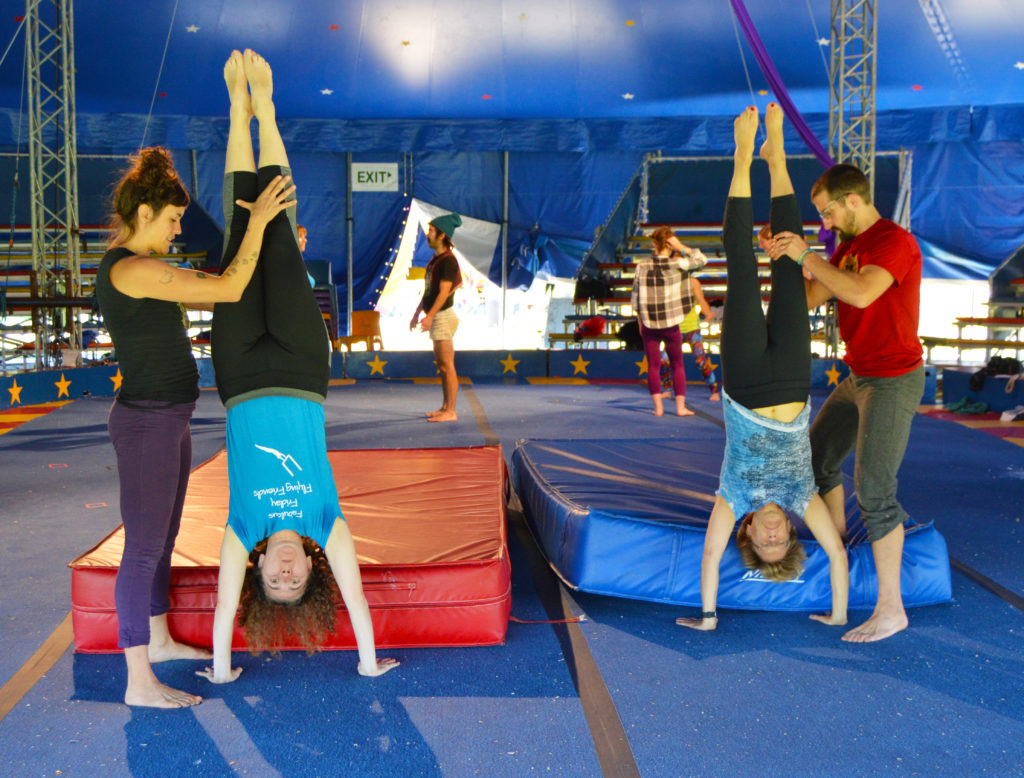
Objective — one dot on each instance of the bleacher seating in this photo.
(617, 278)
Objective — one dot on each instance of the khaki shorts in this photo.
(444, 325)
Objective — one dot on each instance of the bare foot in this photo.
(772, 147)
(261, 82)
(745, 131)
(715, 397)
(234, 77)
(429, 414)
(168, 651)
(443, 416)
(681, 409)
(154, 694)
(658, 409)
(878, 627)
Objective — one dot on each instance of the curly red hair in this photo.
(268, 623)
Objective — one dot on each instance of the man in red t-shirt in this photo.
(875, 275)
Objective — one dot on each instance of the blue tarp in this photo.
(565, 177)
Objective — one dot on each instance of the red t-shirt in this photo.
(881, 340)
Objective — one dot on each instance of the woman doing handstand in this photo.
(272, 361)
(766, 370)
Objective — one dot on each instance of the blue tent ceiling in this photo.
(505, 59)
(604, 79)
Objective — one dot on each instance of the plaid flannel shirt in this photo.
(661, 289)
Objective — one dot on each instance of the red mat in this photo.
(429, 527)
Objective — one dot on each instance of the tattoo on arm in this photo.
(167, 277)
(201, 274)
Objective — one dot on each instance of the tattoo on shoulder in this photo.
(201, 274)
(167, 277)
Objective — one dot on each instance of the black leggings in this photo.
(766, 360)
(275, 335)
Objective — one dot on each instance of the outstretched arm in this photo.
(233, 561)
(819, 522)
(144, 276)
(341, 553)
(720, 527)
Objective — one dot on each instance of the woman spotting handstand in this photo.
(766, 370)
(272, 361)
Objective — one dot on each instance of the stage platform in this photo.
(627, 518)
(430, 532)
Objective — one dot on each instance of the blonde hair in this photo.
(785, 569)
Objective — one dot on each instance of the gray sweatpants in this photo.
(873, 416)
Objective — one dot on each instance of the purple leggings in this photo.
(673, 339)
(154, 455)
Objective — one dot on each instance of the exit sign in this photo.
(374, 176)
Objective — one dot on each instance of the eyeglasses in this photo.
(824, 212)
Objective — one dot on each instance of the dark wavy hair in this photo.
(268, 623)
(151, 179)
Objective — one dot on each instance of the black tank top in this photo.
(150, 340)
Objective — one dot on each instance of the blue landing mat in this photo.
(627, 518)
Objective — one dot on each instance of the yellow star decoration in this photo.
(642, 366)
(833, 375)
(117, 378)
(62, 387)
(579, 365)
(509, 364)
(376, 365)
(15, 391)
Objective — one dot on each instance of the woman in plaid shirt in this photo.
(661, 299)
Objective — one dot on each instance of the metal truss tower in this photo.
(53, 162)
(852, 73)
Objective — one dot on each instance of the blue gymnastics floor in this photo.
(624, 692)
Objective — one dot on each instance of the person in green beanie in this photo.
(443, 277)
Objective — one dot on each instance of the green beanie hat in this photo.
(447, 223)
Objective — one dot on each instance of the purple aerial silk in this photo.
(782, 95)
(779, 88)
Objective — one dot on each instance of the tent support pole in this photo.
(348, 223)
(504, 244)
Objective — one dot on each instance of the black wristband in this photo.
(709, 614)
